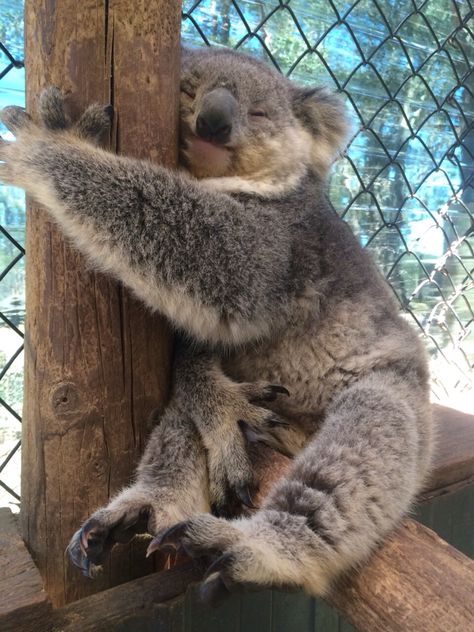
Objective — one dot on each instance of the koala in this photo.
(288, 336)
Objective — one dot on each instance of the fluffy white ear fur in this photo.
(324, 116)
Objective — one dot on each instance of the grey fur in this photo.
(268, 287)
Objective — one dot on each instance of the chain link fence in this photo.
(406, 184)
(12, 301)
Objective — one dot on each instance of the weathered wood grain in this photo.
(415, 582)
(96, 362)
(24, 605)
(454, 455)
(131, 606)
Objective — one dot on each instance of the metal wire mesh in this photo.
(406, 184)
(12, 223)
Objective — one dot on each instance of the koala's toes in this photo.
(14, 118)
(273, 432)
(231, 479)
(95, 122)
(235, 562)
(203, 535)
(91, 544)
(51, 111)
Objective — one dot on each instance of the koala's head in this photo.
(239, 117)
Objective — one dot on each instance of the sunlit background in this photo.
(406, 185)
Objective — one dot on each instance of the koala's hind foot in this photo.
(127, 516)
(267, 549)
(171, 485)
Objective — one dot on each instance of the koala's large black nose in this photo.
(214, 122)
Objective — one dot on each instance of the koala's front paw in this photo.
(231, 478)
(91, 544)
(242, 417)
(92, 125)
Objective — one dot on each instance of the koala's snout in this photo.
(215, 119)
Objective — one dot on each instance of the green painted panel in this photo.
(201, 618)
(326, 618)
(451, 516)
(292, 612)
(463, 525)
(256, 611)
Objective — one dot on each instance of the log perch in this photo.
(415, 582)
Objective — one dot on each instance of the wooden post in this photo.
(96, 362)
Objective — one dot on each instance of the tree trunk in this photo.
(96, 362)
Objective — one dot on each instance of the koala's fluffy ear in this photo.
(324, 116)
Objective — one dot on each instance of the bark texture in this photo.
(96, 362)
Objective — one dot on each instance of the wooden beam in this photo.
(136, 601)
(415, 582)
(454, 455)
(24, 605)
(96, 362)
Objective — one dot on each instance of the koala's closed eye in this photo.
(258, 112)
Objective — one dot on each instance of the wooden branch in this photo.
(96, 362)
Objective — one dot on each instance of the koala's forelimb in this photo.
(180, 247)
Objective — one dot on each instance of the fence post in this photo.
(96, 363)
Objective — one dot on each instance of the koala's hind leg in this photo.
(342, 495)
(170, 485)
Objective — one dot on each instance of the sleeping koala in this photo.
(288, 334)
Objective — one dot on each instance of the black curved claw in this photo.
(249, 433)
(220, 565)
(217, 585)
(270, 393)
(244, 495)
(274, 420)
(254, 436)
(276, 388)
(213, 591)
(169, 538)
(77, 554)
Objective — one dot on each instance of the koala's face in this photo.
(239, 117)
